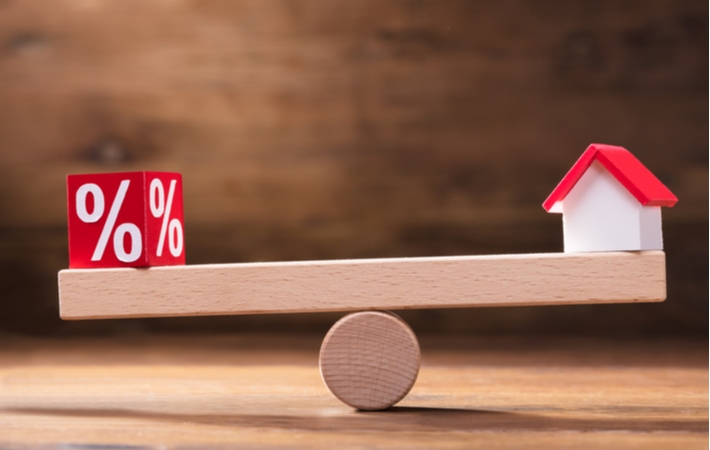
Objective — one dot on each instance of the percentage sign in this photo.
(119, 233)
(159, 207)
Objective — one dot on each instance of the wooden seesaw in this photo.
(369, 359)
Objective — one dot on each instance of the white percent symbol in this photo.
(119, 233)
(159, 207)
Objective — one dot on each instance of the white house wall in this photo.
(651, 228)
(599, 214)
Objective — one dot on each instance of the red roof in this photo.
(633, 175)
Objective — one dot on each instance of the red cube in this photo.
(130, 219)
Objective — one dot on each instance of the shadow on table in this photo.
(400, 418)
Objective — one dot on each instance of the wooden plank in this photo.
(342, 285)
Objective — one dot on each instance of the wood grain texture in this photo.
(396, 283)
(281, 115)
(260, 391)
(362, 129)
(370, 360)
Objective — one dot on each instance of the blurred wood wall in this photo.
(335, 129)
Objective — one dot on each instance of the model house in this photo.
(609, 201)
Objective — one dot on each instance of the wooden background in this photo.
(335, 129)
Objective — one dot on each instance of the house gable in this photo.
(624, 166)
(600, 214)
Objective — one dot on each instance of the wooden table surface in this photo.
(255, 391)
